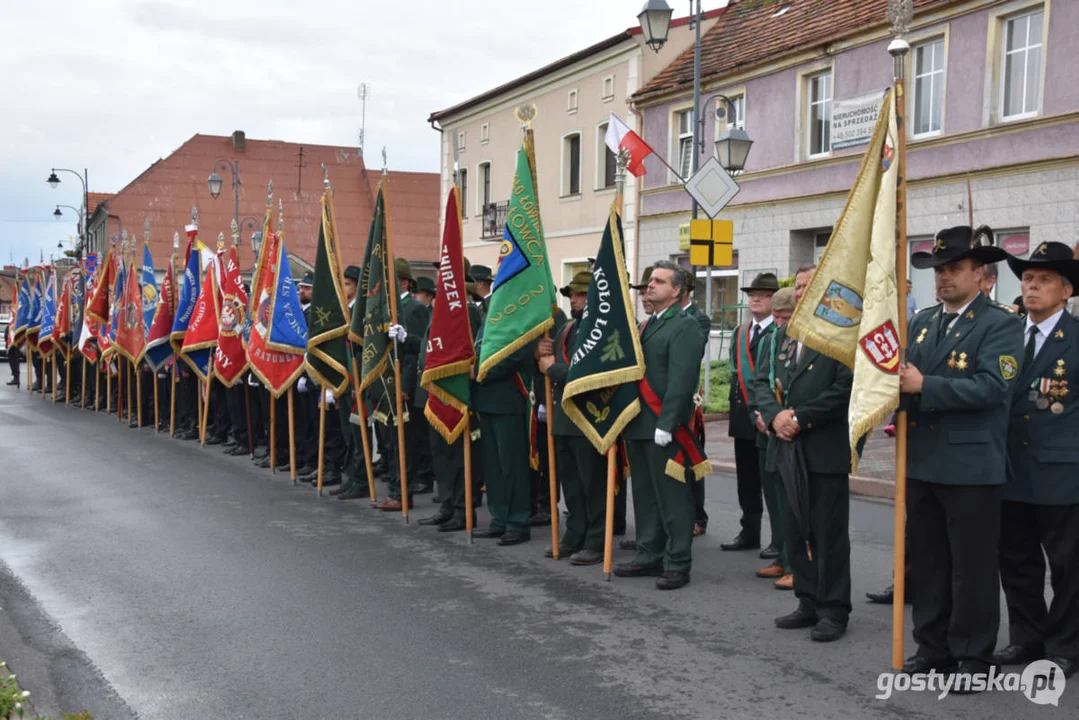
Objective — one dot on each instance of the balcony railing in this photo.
(494, 220)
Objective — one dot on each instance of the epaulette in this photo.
(1002, 306)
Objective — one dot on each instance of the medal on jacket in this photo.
(1056, 408)
(1059, 369)
(921, 335)
(952, 361)
(962, 364)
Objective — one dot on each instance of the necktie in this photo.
(945, 321)
(753, 334)
(1028, 353)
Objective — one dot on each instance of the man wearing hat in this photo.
(412, 319)
(483, 278)
(745, 340)
(581, 470)
(425, 291)
(1039, 515)
(963, 362)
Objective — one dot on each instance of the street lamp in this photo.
(655, 20)
(732, 147)
(214, 183)
(84, 178)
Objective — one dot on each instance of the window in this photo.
(485, 133)
(571, 102)
(819, 113)
(1021, 65)
(734, 115)
(461, 140)
(571, 165)
(462, 184)
(485, 186)
(684, 161)
(605, 160)
(928, 87)
(608, 88)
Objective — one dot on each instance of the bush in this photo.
(718, 400)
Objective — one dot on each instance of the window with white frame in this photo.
(605, 160)
(608, 88)
(734, 114)
(461, 140)
(819, 113)
(684, 146)
(485, 133)
(1021, 65)
(571, 164)
(485, 187)
(928, 87)
(571, 101)
(462, 185)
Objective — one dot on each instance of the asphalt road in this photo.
(146, 577)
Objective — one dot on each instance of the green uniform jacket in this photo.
(741, 424)
(564, 340)
(959, 422)
(499, 393)
(1043, 447)
(672, 356)
(475, 319)
(703, 322)
(817, 388)
(414, 316)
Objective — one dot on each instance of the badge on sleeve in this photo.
(1008, 367)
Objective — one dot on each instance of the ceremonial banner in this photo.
(450, 351)
(189, 295)
(148, 289)
(279, 338)
(22, 310)
(77, 304)
(111, 329)
(606, 361)
(523, 294)
(97, 307)
(88, 338)
(159, 350)
(33, 322)
(45, 344)
(850, 310)
(130, 330)
(373, 300)
(327, 356)
(230, 359)
(61, 329)
(200, 340)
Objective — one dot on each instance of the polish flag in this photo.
(620, 137)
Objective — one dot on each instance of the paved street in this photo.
(142, 576)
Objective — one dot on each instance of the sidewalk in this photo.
(876, 471)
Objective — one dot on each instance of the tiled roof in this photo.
(95, 199)
(414, 212)
(752, 32)
(166, 191)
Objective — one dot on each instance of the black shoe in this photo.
(421, 490)
(827, 630)
(1018, 655)
(237, 450)
(632, 569)
(306, 470)
(229, 444)
(627, 545)
(214, 440)
(436, 499)
(355, 493)
(564, 551)
(586, 557)
(190, 435)
(1068, 666)
(264, 463)
(341, 489)
(438, 518)
(14, 382)
(800, 618)
(330, 479)
(770, 553)
(540, 519)
(133, 424)
(917, 664)
(513, 538)
(884, 597)
(489, 533)
(453, 525)
(963, 682)
(672, 580)
(261, 453)
(742, 542)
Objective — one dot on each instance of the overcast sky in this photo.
(113, 85)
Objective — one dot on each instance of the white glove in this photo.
(541, 413)
(328, 398)
(302, 385)
(398, 333)
(663, 438)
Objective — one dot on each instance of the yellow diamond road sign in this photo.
(711, 243)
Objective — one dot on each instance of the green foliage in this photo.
(13, 700)
(718, 400)
(786, 282)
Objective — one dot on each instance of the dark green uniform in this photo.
(818, 389)
(414, 317)
(775, 495)
(956, 465)
(663, 506)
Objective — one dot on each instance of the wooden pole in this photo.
(552, 471)
(321, 436)
(291, 434)
(273, 433)
(55, 376)
(108, 388)
(198, 406)
(29, 368)
(44, 374)
(469, 512)
(97, 386)
(205, 411)
(138, 398)
(127, 386)
(67, 380)
(173, 379)
(247, 414)
(608, 532)
(157, 411)
(402, 462)
(83, 395)
(362, 412)
(899, 102)
(119, 388)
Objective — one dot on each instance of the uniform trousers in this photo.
(506, 471)
(449, 469)
(822, 585)
(775, 498)
(748, 471)
(663, 509)
(583, 474)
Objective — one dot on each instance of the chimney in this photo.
(238, 138)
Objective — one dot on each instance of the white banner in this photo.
(853, 120)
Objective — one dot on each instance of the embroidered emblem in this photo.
(882, 347)
(1009, 368)
(1059, 334)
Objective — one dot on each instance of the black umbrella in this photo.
(791, 465)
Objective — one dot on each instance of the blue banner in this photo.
(189, 295)
(148, 290)
(288, 329)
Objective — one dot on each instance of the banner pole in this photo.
(29, 368)
(291, 435)
(119, 387)
(173, 378)
(108, 388)
(898, 49)
(157, 406)
(55, 376)
(469, 510)
(44, 374)
(83, 393)
(67, 381)
(205, 411)
(247, 415)
(362, 412)
(608, 531)
(321, 436)
(552, 471)
(138, 393)
(402, 462)
(273, 434)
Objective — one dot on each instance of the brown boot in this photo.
(785, 583)
(775, 570)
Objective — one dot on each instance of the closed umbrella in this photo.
(791, 465)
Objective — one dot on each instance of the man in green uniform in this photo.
(662, 501)
(962, 362)
(1039, 516)
(812, 410)
(581, 470)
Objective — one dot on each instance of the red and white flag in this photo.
(620, 137)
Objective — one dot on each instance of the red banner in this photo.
(202, 330)
(230, 358)
(130, 331)
(276, 369)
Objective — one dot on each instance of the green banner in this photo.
(327, 354)
(607, 362)
(522, 302)
(371, 317)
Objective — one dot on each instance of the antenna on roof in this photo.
(385, 167)
(363, 93)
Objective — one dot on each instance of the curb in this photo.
(861, 486)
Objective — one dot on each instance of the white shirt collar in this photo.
(406, 292)
(1045, 327)
(351, 303)
(959, 312)
(764, 323)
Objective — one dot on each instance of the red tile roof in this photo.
(95, 199)
(752, 32)
(166, 191)
(414, 212)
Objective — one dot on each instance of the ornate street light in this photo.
(655, 20)
(214, 181)
(53, 181)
